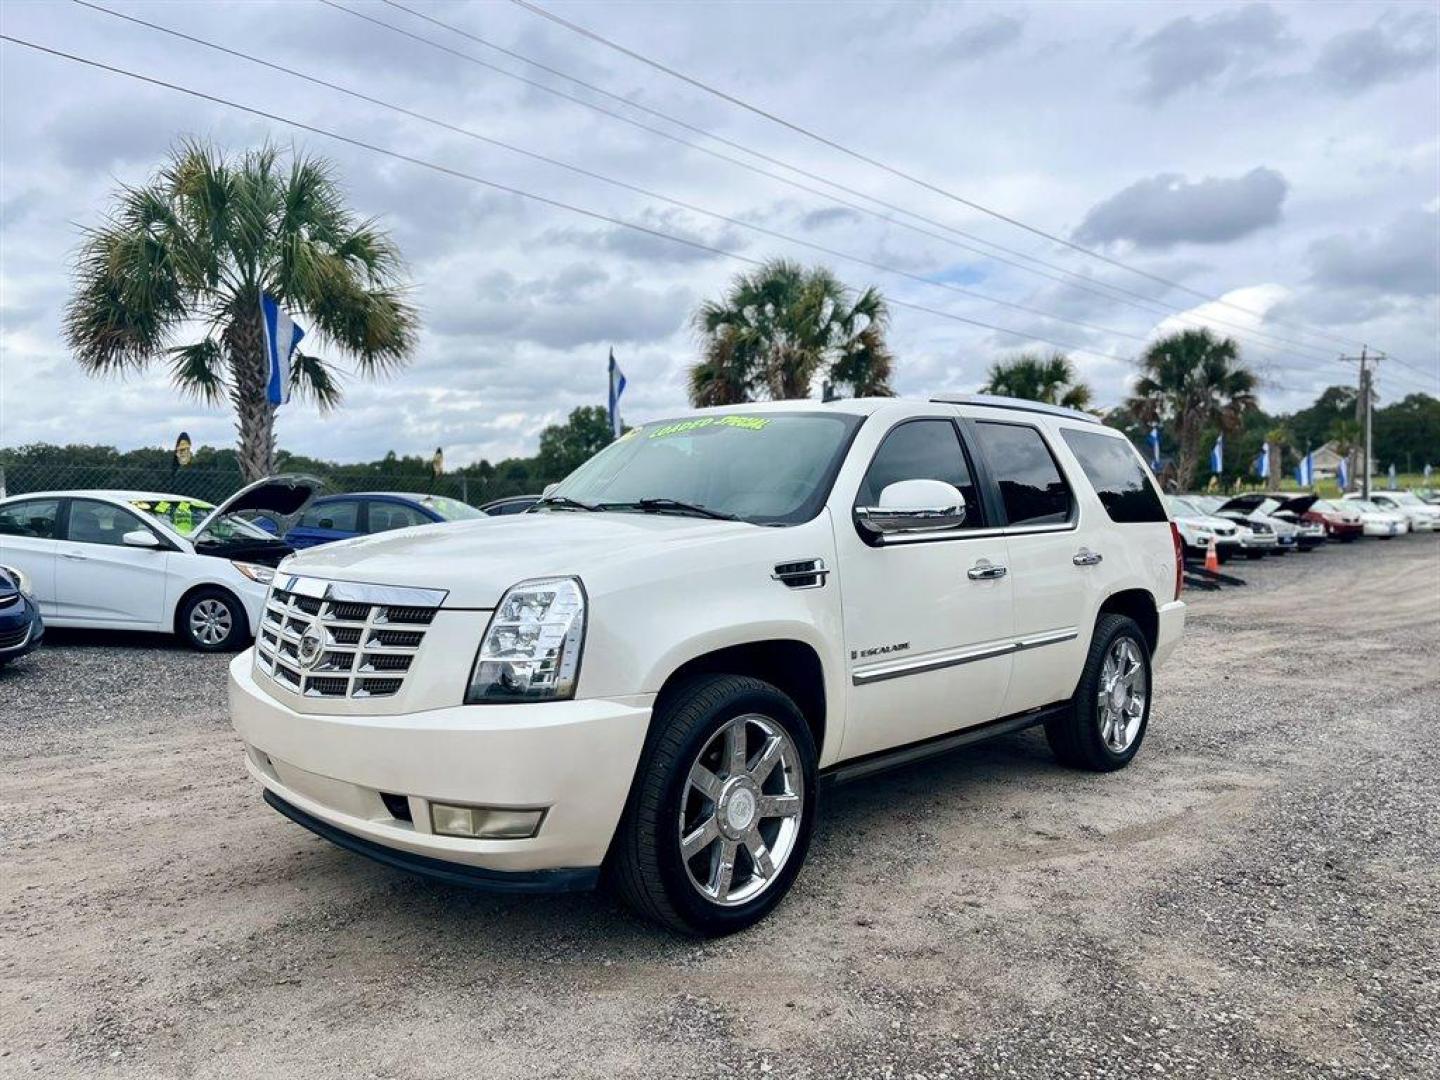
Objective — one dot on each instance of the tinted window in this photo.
(99, 523)
(385, 516)
(1114, 470)
(1031, 486)
(922, 450)
(33, 518)
(335, 515)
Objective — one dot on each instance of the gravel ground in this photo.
(1258, 895)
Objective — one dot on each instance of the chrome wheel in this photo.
(211, 621)
(740, 810)
(1120, 701)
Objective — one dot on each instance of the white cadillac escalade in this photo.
(653, 673)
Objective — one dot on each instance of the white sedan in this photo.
(134, 560)
(1421, 516)
(1377, 520)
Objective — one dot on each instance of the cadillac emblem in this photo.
(311, 646)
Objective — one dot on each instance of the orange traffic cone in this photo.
(1212, 558)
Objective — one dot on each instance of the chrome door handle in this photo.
(986, 571)
(73, 555)
(1086, 557)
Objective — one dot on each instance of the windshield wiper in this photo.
(565, 502)
(660, 506)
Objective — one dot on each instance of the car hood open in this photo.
(475, 561)
(284, 496)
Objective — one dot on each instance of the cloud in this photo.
(1189, 52)
(982, 38)
(1395, 48)
(1403, 258)
(831, 215)
(1165, 210)
(648, 247)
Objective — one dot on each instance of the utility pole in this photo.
(1364, 408)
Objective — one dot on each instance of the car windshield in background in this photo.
(449, 509)
(185, 516)
(771, 469)
(1185, 508)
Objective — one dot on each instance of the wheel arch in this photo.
(793, 666)
(1139, 605)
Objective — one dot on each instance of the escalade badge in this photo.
(311, 646)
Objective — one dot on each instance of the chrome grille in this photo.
(364, 637)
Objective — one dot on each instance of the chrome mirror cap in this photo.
(912, 506)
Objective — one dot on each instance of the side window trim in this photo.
(61, 516)
(1070, 524)
(978, 476)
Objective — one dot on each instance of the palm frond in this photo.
(198, 370)
(312, 380)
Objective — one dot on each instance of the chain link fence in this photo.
(214, 485)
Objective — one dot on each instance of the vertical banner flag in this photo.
(1154, 441)
(183, 454)
(1393, 484)
(1262, 463)
(1342, 473)
(281, 337)
(1427, 474)
(1217, 454)
(617, 387)
(1305, 471)
(437, 463)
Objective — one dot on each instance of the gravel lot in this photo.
(1258, 895)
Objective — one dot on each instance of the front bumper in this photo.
(21, 628)
(343, 775)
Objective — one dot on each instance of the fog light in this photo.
(484, 822)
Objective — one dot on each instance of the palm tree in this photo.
(780, 326)
(1050, 379)
(1192, 380)
(193, 249)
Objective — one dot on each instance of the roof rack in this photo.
(994, 401)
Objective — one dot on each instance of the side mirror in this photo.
(913, 506)
(140, 538)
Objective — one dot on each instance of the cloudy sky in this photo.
(1282, 157)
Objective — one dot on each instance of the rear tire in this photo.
(1102, 727)
(213, 620)
(736, 811)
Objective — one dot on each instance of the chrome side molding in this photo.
(895, 669)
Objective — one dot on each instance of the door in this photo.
(927, 615)
(326, 522)
(1050, 563)
(99, 578)
(28, 531)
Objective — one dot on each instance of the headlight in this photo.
(263, 574)
(531, 649)
(22, 580)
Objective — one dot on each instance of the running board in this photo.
(884, 760)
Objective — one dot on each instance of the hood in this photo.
(477, 560)
(1298, 504)
(1245, 504)
(283, 496)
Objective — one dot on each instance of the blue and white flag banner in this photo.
(281, 337)
(1305, 471)
(1342, 473)
(1262, 463)
(1217, 454)
(1154, 441)
(1393, 484)
(1427, 474)
(617, 387)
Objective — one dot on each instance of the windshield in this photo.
(449, 509)
(185, 515)
(1185, 508)
(1404, 498)
(771, 469)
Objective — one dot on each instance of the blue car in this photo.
(21, 630)
(339, 517)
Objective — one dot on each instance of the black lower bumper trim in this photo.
(568, 879)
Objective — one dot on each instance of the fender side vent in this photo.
(801, 574)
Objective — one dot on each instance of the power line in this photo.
(511, 190)
(591, 174)
(1071, 279)
(857, 155)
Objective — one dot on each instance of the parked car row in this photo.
(1257, 524)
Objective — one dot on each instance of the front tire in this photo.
(1105, 722)
(212, 620)
(722, 810)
